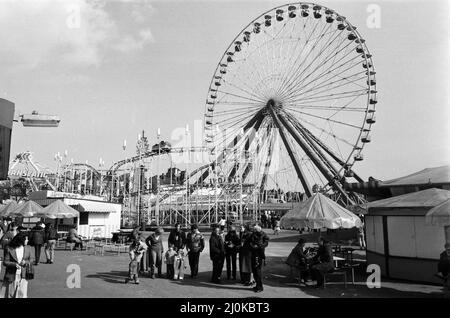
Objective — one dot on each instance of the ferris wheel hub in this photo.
(274, 104)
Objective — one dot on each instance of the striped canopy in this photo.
(320, 212)
(8, 208)
(28, 209)
(58, 210)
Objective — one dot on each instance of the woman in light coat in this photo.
(18, 257)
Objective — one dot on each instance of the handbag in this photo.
(29, 271)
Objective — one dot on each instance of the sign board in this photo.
(96, 231)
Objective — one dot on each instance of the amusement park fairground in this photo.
(305, 172)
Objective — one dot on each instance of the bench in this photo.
(335, 272)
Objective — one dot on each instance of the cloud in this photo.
(130, 43)
(73, 33)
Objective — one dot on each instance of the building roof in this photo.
(436, 175)
(428, 198)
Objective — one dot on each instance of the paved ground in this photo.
(103, 276)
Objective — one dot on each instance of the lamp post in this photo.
(187, 208)
(58, 159)
(158, 135)
(73, 175)
(101, 163)
(66, 153)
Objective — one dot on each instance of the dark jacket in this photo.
(232, 242)
(154, 244)
(195, 242)
(216, 247)
(297, 257)
(10, 262)
(258, 244)
(37, 236)
(51, 234)
(324, 254)
(6, 239)
(444, 263)
(178, 239)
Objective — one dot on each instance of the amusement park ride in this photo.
(290, 107)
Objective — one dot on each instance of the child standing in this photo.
(170, 261)
(277, 227)
(137, 249)
(179, 265)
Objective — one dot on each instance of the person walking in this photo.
(155, 251)
(258, 243)
(136, 251)
(232, 243)
(361, 235)
(17, 262)
(177, 238)
(245, 255)
(195, 243)
(216, 254)
(37, 239)
(51, 235)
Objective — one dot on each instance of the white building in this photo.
(98, 218)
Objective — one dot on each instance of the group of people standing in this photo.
(249, 244)
(271, 220)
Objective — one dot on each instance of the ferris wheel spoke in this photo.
(298, 71)
(325, 118)
(244, 90)
(298, 75)
(314, 98)
(342, 81)
(329, 72)
(240, 96)
(296, 67)
(326, 107)
(300, 87)
(325, 78)
(333, 54)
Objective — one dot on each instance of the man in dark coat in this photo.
(217, 254)
(232, 243)
(177, 237)
(195, 243)
(155, 251)
(37, 239)
(322, 262)
(258, 243)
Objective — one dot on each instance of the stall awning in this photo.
(94, 207)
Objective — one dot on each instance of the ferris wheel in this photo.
(296, 89)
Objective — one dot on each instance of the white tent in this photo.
(318, 212)
(58, 210)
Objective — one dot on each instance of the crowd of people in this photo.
(226, 246)
(271, 220)
(18, 256)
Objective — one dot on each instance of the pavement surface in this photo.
(104, 276)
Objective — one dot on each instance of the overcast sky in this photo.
(133, 65)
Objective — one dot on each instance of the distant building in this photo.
(6, 123)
